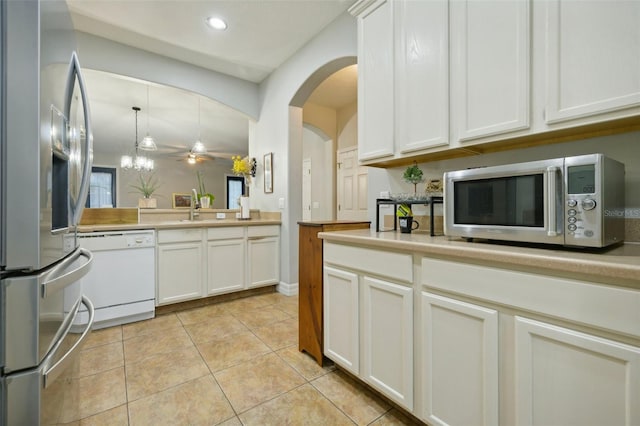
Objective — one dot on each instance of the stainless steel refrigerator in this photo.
(45, 166)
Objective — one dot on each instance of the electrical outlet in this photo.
(221, 216)
(281, 203)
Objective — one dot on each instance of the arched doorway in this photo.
(328, 99)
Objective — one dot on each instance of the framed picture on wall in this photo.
(268, 173)
(181, 201)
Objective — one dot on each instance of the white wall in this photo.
(319, 148)
(105, 55)
(274, 130)
(623, 147)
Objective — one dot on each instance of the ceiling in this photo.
(262, 35)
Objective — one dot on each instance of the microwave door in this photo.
(80, 140)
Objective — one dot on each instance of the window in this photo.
(102, 187)
(234, 191)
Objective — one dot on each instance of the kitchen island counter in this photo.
(618, 265)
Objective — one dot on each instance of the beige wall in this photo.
(174, 175)
(348, 126)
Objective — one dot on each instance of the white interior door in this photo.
(352, 182)
(306, 189)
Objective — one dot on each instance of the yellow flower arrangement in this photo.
(244, 167)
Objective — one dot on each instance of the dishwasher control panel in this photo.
(113, 240)
(141, 240)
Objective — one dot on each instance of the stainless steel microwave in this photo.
(571, 201)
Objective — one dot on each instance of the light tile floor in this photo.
(232, 363)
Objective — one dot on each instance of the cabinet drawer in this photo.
(263, 231)
(609, 308)
(398, 266)
(179, 235)
(225, 233)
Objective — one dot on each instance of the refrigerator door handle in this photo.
(64, 280)
(76, 72)
(52, 373)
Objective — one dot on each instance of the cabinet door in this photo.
(460, 365)
(564, 377)
(490, 65)
(341, 308)
(225, 266)
(422, 74)
(264, 261)
(592, 57)
(180, 272)
(387, 327)
(375, 81)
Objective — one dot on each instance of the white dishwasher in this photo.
(121, 283)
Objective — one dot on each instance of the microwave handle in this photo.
(552, 189)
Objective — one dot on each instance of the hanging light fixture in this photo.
(137, 162)
(147, 143)
(198, 147)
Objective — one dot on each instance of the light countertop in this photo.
(178, 224)
(619, 265)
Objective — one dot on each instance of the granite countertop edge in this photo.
(619, 265)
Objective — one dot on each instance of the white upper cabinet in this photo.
(490, 56)
(375, 80)
(592, 58)
(422, 74)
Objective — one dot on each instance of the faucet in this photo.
(194, 206)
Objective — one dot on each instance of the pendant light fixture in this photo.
(147, 143)
(198, 147)
(136, 162)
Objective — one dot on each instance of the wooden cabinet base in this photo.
(310, 282)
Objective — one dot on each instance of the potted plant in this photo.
(413, 175)
(147, 186)
(204, 198)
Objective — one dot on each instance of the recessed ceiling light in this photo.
(216, 23)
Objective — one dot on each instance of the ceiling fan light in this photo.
(148, 144)
(198, 148)
(192, 159)
(216, 23)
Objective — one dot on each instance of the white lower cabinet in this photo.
(387, 331)
(565, 377)
(263, 246)
(460, 362)
(226, 260)
(201, 262)
(180, 260)
(341, 324)
(368, 319)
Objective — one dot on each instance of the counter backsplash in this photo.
(631, 234)
(112, 216)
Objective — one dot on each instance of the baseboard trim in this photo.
(288, 289)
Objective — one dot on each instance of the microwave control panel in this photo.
(594, 201)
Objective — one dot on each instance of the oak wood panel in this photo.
(310, 283)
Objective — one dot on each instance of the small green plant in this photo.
(201, 191)
(413, 175)
(147, 185)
